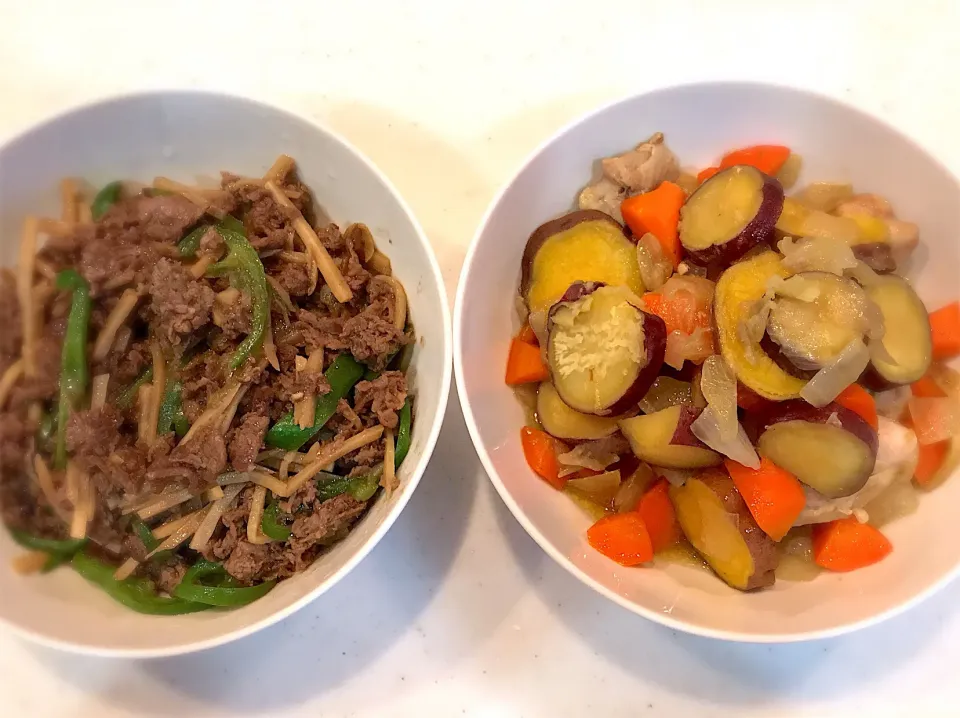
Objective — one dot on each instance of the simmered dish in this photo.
(200, 389)
(719, 372)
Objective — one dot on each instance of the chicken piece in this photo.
(897, 458)
(606, 196)
(639, 170)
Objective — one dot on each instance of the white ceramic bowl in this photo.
(702, 121)
(191, 136)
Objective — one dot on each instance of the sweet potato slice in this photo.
(738, 288)
(586, 245)
(906, 335)
(664, 438)
(718, 524)
(561, 421)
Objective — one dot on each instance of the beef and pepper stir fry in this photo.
(200, 389)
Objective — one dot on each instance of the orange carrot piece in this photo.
(623, 538)
(659, 516)
(525, 364)
(859, 401)
(927, 388)
(766, 158)
(945, 331)
(846, 545)
(527, 335)
(657, 212)
(774, 496)
(750, 401)
(540, 451)
(931, 459)
(706, 174)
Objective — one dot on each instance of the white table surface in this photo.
(458, 612)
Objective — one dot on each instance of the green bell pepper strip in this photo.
(226, 594)
(138, 594)
(271, 525)
(341, 376)
(362, 488)
(105, 199)
(74, 372)
(149, 541)
(172, 417)
(403, 434)
(243, 264)
(126, 397)
(189, 245)
(46, 433)
(51, 546)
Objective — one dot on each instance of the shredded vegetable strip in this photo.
(84, 213)
(214, 410)
(116, 319)
(380, 264)
(331, 273)
(83, 503)
(168, 185)
(257, 501)
(400, 301)
(69, 211)
(45, 480)
(9, 379)
(232, 409)
(163, 502)
(332, 453)
(46, 270)
(144, 397)
(98, 392)
(183, 532)
(30, 562)
(389, 478)
(305, 409)
(284, 471)
(199, 268)
(211, 518)
(295, 257)
(257, 476)
(279, 169)
(270, 348)
(54, 227)
(28, 314)
(126, 569)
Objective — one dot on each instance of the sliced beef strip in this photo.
(325, 523)
(164, 218)
(194, 464)
(292, 276)
(44, 386)
(201, 377)
(167, 574)
(245, 440)
(11, 338)
(237, 318)
(179, 303)
(111, 459)
(319, 331)
(384, 396)
(372, 339)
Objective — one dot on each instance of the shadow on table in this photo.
(720, 671)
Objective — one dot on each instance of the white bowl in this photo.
(186, 136)
(702, 121)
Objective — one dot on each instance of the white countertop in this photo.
(458, 612)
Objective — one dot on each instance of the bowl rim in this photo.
(664, 619)
(445, 378)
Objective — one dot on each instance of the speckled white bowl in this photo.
(190, 136)
(701, 121)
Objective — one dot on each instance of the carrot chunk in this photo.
(945, 331)
(659, 516)
(525, 364)
(774, 496)
(623, 538)
(860, 401)
(846, 545)
(540, 451)
(657, 212)
(766, 158)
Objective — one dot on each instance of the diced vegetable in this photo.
(655, 266)
(539, 449)
(774, 496)
(718, 523)
(658, 213)
(824, 196)
(664, 438)
(945, 331)
(74, 372)
(739, 286)
(659, 516)
(622, 538)
(933, 457)
(105, 199)
(587, 245)
(861, 402)
(600, 488)
(934, 419)
(561, 421)
(846, 545)
(789, 172)
(526, 334)
(404, 436)
(707, 428)
(729, 214)
(632, 489)
(907, 335)
(926, 388)
(769, 159)
(603, 350)
(525, 364)
(831, 449)
(666, 392)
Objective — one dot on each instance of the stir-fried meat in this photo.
(179, 304)
(245, 441)
(194, 464)
(384, 396)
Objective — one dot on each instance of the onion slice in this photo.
(707, 429)
(826, 384)
(719, 388)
